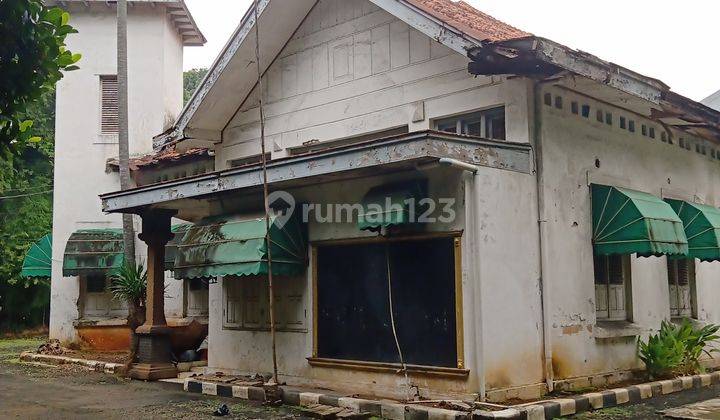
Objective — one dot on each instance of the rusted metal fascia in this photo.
(488, 153)
(429, 25)
(246, 25)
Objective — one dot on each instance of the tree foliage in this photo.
(192, 79)
(32, 58)
(25, 217)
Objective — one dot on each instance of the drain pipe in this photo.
(542, 224)
(473, 267)
(459, 165)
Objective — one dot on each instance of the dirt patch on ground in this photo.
(67, 391)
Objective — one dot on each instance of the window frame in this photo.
(626, 264)
(672, 265)
(188, 289)
(459, 322)
(289, 288)
(109, 313)
(484, 116)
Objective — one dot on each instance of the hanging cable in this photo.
(8, 197)
(26, 189)
(409, 395)
(268, 239)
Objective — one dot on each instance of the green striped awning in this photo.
(236, 245)
(627, 221)
(93, 251)
(389, 205)
(702, 228)
(38, 260)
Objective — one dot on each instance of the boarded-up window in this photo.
(109, 105)
(681, 279)
(247, 305)
(197, 297)
(611, 287)
(354, 307)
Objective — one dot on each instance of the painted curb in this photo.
(385, 409)
(597, 400)
(397, 411)
(97, 366)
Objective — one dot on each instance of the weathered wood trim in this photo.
(414, 147)
(246, 25)
(459, 324)
(391, 368)
(313, 261)
(429, 25)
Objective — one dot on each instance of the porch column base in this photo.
(154, 356)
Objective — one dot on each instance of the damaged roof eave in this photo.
(535, 56)
(374, 154)
(577, 62)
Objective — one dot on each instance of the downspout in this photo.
(473, 266)
(542, 224)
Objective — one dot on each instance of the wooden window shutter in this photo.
(672, 272)
(109, 123)
(683, 273)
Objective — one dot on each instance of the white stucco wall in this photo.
(499, 280)
(389, 71)
(81, 152)
(571, 146)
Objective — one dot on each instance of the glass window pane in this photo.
(601, 274)
(615, 269)
(96, 284)
(495, 123)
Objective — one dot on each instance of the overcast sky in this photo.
(666, 39)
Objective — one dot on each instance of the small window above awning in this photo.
(93, 251)
(627, 222)
(702, 228)
(235, 245)
(38, 260)
(390, 205)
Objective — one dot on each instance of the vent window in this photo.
(109, 123)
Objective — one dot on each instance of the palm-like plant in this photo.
(129, 284)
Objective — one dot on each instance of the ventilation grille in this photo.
(109, 123)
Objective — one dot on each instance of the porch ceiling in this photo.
(362, 159)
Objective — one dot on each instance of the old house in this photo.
(569, 204)
(87, 244)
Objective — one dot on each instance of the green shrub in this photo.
(676, 349)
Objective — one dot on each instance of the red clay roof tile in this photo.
(467, 19)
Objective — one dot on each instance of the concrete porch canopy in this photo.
(391, 154)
